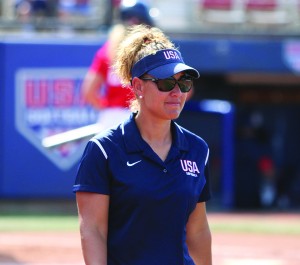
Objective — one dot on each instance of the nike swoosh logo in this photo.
(132, 164)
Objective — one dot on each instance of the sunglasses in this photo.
(166, 85)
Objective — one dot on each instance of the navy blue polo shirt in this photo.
(150, 199)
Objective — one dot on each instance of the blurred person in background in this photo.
(36, 8)
(101, 87)
(33, 11)
(256, 154)
(23, 10)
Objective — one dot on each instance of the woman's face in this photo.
(162, 105)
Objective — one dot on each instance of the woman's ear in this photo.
(137, 87)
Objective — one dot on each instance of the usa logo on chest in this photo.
(190, 167)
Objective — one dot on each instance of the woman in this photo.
(141, 187)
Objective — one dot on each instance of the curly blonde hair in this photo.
(140, 41)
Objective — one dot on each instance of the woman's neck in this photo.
(157, 133)
(156, 130)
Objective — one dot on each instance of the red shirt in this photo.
(113, 94)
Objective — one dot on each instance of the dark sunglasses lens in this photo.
(185, 85)
(166, 85)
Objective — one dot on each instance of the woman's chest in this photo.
(153, 181)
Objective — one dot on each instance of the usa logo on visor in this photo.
(162, 64)
(171, 54)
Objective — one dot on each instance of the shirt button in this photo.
(165, 170)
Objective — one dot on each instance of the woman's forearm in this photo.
(200, 248)
(94, 247)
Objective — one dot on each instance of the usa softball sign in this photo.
(48, 101)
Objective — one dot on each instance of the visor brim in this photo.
(168, 70)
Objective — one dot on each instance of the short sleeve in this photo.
(206, 192)
(92, 174)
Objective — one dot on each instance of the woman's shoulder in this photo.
(192, 137)
(108, 135)
(104, 142)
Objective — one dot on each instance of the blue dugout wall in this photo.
(40, 81)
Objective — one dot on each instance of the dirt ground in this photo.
(63, 248)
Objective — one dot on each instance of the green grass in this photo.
(256, 227)
(43, 215)
(60, 222)
(9, 223)
(62, 216)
